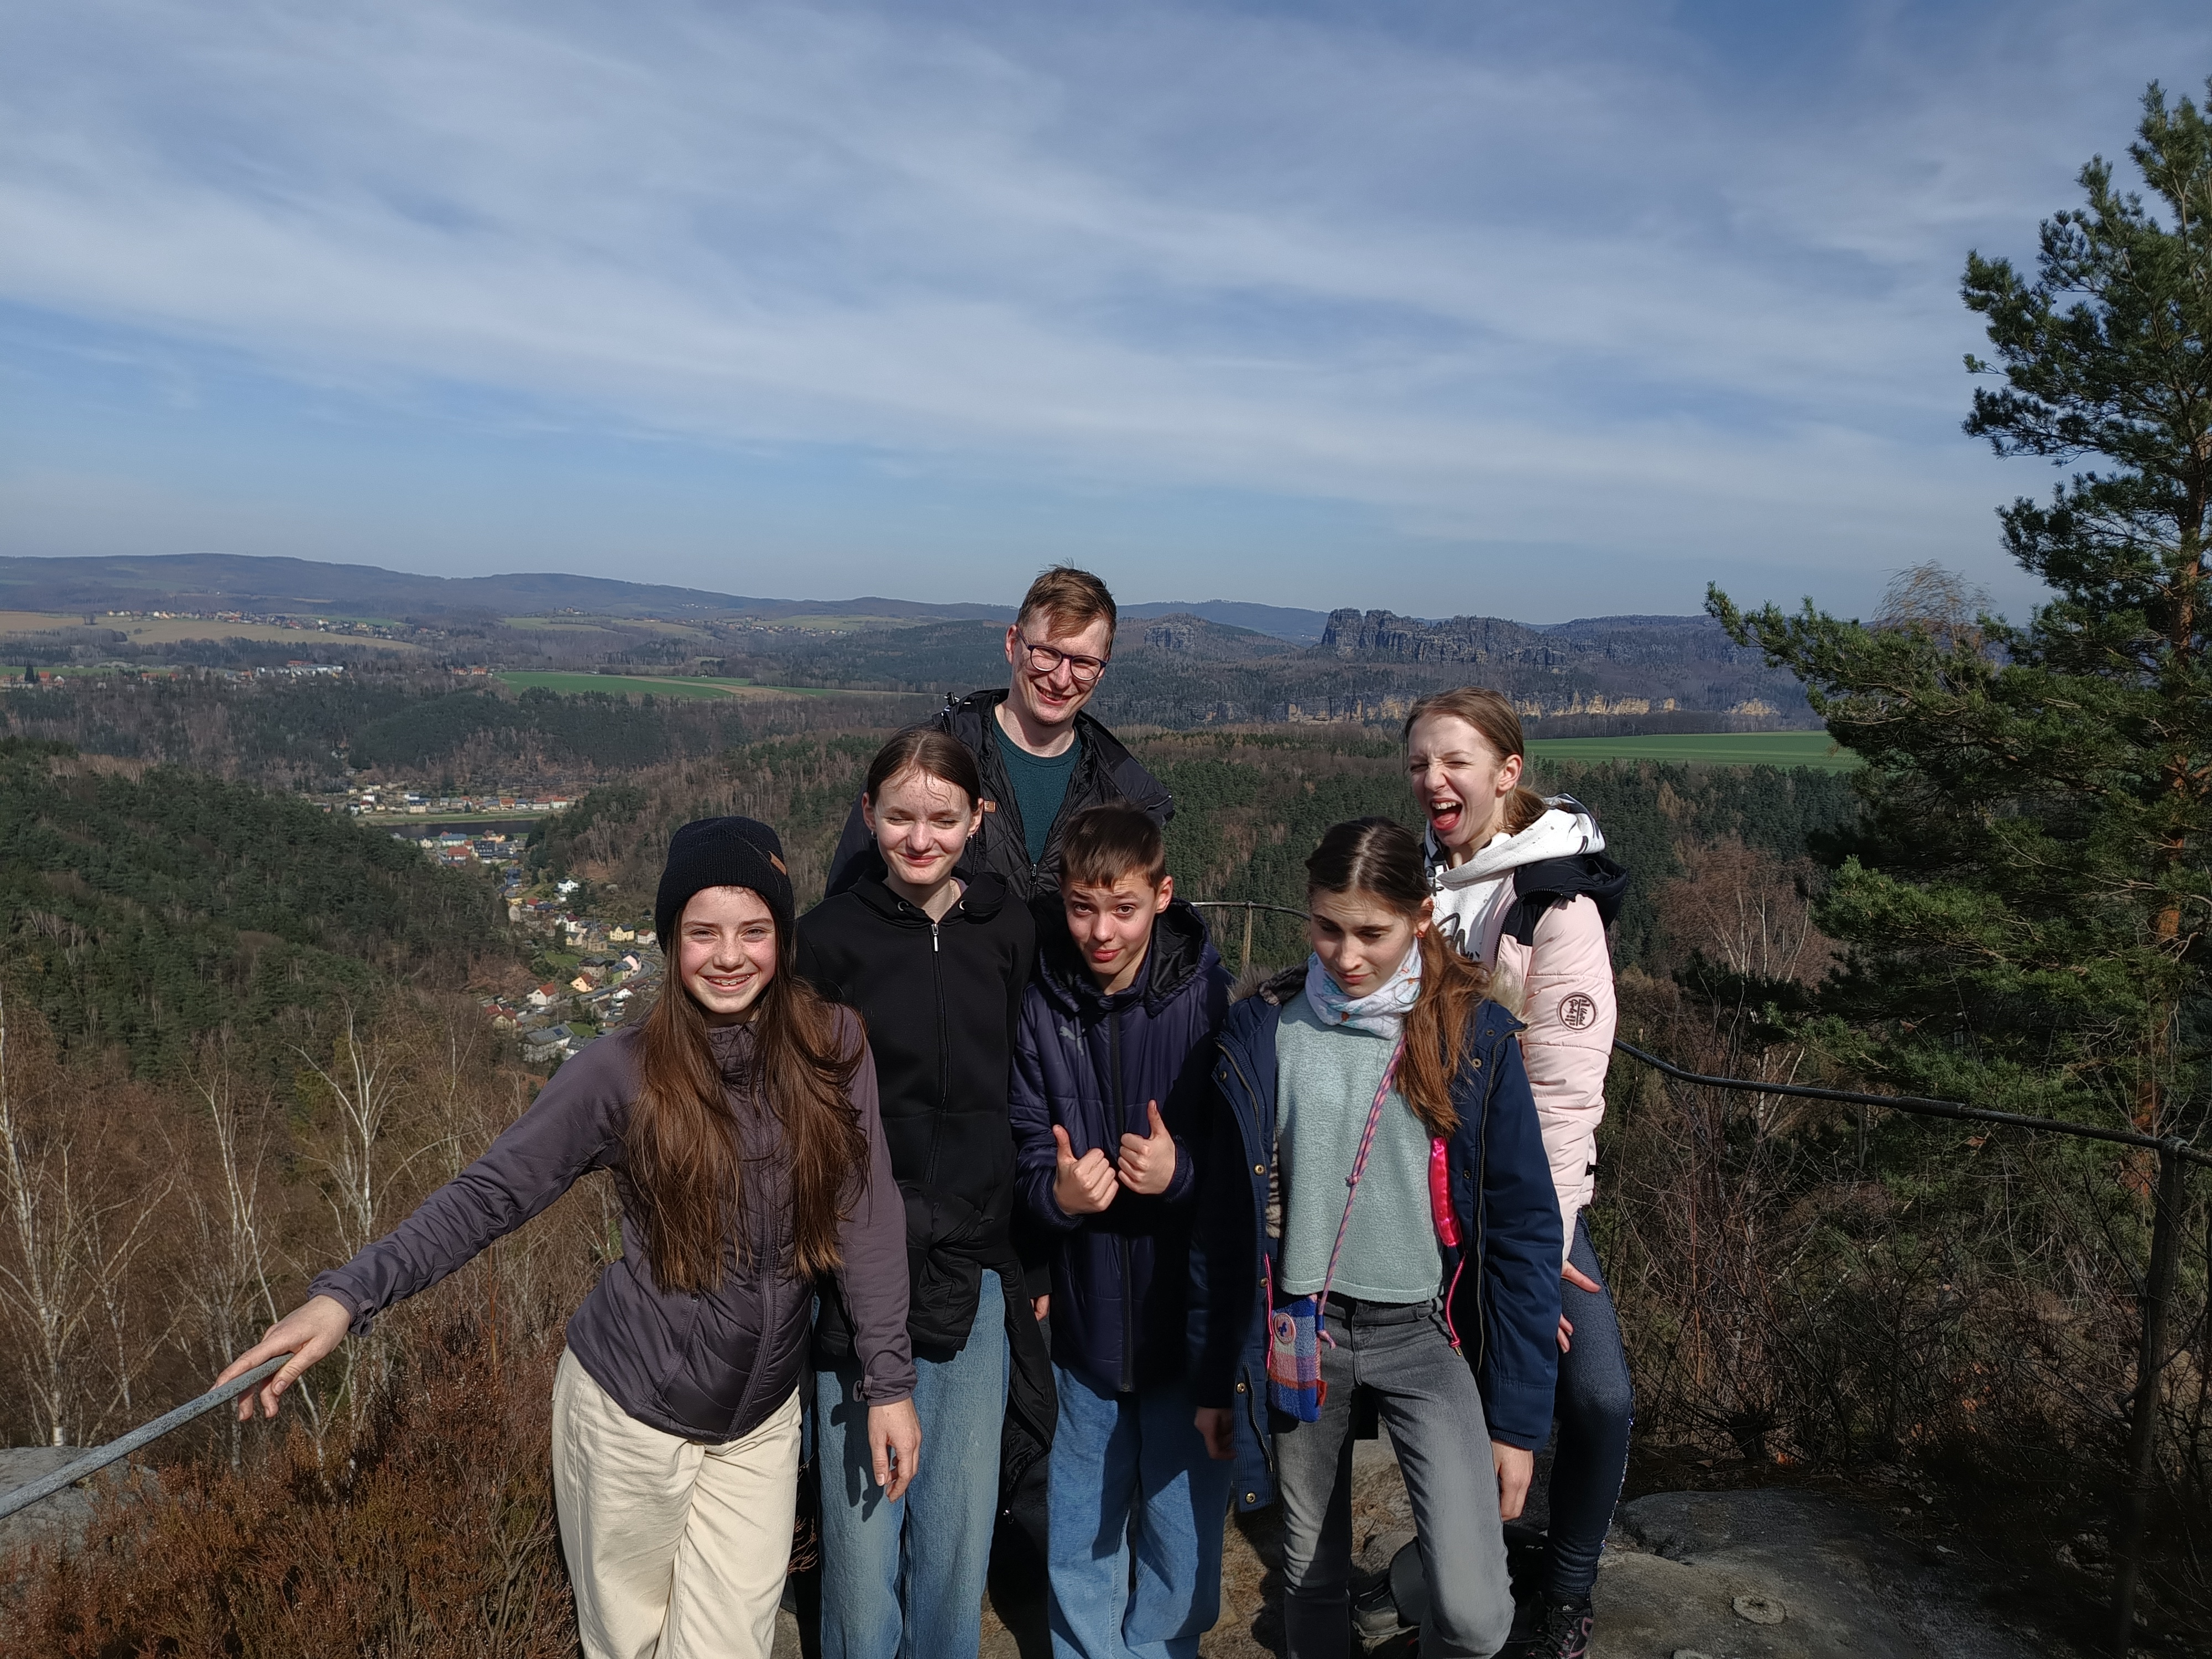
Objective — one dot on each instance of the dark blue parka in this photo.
(1090, 1064)
(1503, 1280)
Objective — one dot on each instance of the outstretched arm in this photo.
(568, 1129)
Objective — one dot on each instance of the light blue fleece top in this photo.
(1325, 1082)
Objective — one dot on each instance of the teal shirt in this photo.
(1325, 1082)
(1040, 785)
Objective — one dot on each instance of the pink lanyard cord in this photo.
(1359, 1168)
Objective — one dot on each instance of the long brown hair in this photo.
(1490, 714)
(682, 1138)
(1380, 858)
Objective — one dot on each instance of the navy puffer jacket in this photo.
(1501, 1287)
(1092, 1064)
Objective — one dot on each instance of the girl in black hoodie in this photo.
(936, 966)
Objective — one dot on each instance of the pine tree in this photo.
(2026, 904)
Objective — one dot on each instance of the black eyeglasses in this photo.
(1045, 660)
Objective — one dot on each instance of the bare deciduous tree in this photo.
(78, 1215)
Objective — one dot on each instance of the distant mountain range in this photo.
(223, 581)
(1181, 662)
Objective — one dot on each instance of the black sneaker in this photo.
(1562, 1631)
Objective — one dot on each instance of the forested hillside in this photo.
(315, 734)
(1249, 806)
(147, 906)
(418, 713)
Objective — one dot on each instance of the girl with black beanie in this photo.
(739, 1120)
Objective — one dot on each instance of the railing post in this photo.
(1244, 962)
(2142, 1434)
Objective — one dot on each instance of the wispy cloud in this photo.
(1615, 282)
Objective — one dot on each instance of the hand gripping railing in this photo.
(101, 1456)
(2175, 1155)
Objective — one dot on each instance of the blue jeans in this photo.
(1594, 1409)
(905, 1580)
(1430, 1403)
(1131, 1477)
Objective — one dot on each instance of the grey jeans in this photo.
(1430, 1404)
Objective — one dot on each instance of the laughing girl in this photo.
(1522, 886)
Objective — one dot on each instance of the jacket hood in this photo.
(1566, 831)
(1178, 950)
(980, 900)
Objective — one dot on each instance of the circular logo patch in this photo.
(1577, 1012)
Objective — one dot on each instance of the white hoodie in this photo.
(1564, 979)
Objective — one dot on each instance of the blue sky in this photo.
(1539, 311)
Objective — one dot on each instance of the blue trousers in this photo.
(904, 1580)
(1132, 1486)
(1594, 1410)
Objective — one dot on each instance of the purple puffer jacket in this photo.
(709, 1367)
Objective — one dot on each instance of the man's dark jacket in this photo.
(1501, 1286)
(940, 999)
(1090, 1064)
(1107, 772)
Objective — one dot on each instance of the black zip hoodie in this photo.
(940, 999)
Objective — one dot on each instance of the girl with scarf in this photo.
(1379, 1216)
(1522, 886)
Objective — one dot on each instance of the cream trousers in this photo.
(676, 1550)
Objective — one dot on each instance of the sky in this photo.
(1537, 312)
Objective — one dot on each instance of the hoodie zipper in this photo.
(936, 974)
(1122, 1240)
(944, 1080)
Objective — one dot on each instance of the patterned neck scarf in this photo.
(1381, 1012)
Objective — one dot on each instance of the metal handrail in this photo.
(2175, 1155)
(101, 1456)
(1921, 1106)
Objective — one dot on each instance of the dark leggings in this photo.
(1594, 1409)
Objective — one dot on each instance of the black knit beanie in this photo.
(722, 853)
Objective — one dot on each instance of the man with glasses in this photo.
(1042, 758)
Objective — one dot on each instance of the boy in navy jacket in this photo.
(1111, 1085)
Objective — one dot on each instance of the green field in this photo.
(630, 685)
(618, 685)
(1781, 748)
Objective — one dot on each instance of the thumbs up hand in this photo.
(1148, 1161)
(1080, 1186)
